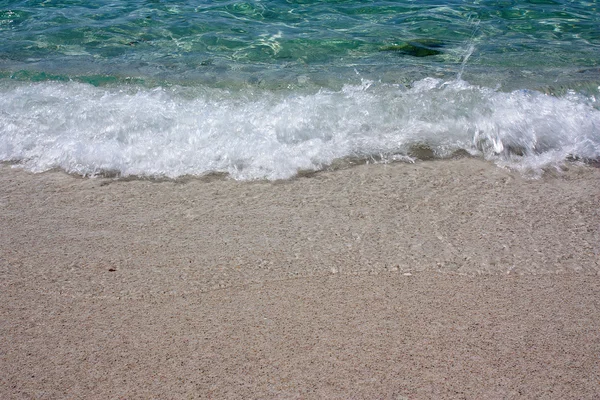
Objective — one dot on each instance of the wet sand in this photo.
(445, 279)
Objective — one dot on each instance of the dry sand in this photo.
(445, 279)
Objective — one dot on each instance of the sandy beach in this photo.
(440, 279)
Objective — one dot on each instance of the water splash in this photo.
(468, 54)
(474, 22)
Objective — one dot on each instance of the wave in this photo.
(270, 134)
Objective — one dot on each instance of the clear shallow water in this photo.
(263, 89)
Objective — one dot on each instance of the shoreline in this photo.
(430, 280)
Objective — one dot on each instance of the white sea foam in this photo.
(256, 134)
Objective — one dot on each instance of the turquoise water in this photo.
(221, 43)
(262, 89)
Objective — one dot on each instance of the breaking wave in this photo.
(268, 134)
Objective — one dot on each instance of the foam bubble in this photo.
(254, 134)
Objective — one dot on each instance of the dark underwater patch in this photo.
(417, 47)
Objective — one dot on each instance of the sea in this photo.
(270, 89)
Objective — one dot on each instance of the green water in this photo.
(281, 43)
